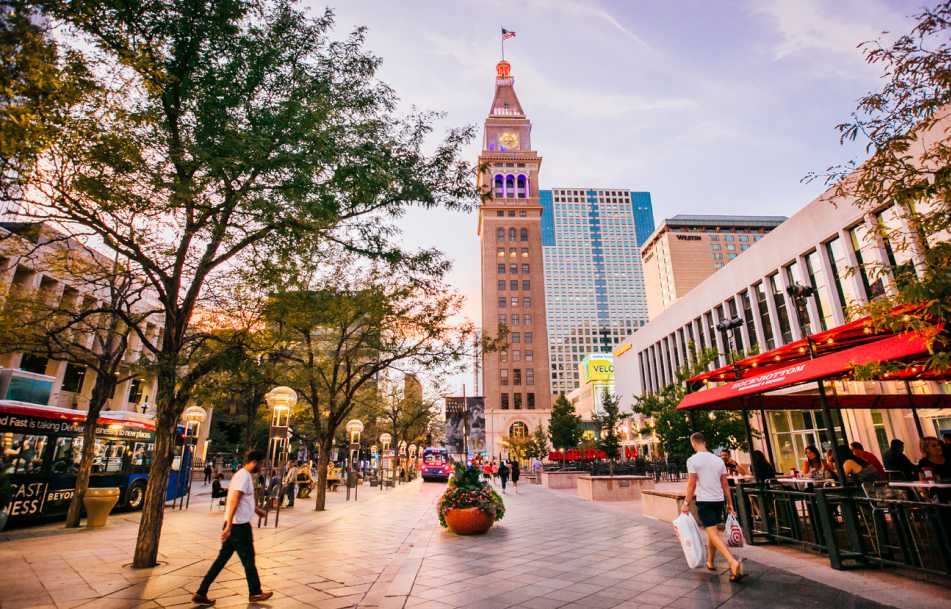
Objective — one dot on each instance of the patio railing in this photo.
(853, 525)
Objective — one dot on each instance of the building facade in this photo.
(830, 245)
(594, 281)
(686, 249)
(516, 377)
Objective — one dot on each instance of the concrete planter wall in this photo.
(663, 505)
(613, 488)
(560, 479)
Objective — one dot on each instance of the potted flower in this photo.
(469, 506)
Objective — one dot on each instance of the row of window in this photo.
(526, 301)
(517, 401)
(517, 376)
(513, 252)
(513, 234)
(511, 213)
(510, 186)
(516, 319)
(513, 285)
(75, 376)
(840, 272)
(513, 268)
(517, 356)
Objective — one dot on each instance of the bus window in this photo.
(142, 454)
(22, 453)
(114, 455)
(68, 454)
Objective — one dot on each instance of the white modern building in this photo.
(829, 245)
(594, 280)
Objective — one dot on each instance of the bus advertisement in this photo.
(41, 449)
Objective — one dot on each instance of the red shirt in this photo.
(872, 460)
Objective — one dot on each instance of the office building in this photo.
(594, 281)
(686, 249)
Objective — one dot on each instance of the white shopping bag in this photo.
(691, 540)
(733, 532)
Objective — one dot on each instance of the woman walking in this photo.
(503, 474)
(515, 474)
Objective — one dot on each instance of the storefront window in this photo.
(881, 435)
(790, 433)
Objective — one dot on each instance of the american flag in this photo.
(506, 34)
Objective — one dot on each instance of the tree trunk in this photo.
(100, 390)
(153, 510)
(323, 459)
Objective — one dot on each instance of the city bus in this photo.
(435, 464)
(41, 448)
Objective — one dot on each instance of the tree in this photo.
(606, 422)
(722, 428)
(519, 447)
(564, 426)
(341, 337)
(216, 127)
(904, 126)
(86, 327)
(541, 442)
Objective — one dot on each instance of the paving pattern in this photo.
(387, 551)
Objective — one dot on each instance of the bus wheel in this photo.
(136, 496)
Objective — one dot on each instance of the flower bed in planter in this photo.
(469, 506)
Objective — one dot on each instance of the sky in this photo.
(712, 107)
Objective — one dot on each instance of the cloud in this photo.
(587, 8)
(836, 28)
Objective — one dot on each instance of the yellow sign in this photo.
(623, 349)
(597, 368)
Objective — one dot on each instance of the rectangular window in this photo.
(518, 400)
(514, 301)
(501, 285)
(527, 301)
(526, 285)
(524, 252)
(513, 269)
(515, 319)
(792, 276)
(504, 376)
(516, 376)
(504, 356)
(501, 268)
(23, 453)
(500, 251)
(67, 454)
(839, 263)
(502, 301)
(528, 338)
(516, 337)
(516, 356)
(529, 356)
(780, 303)
(135, 390)
(513, 284)
(529, 376)
(504, 402)
(859, 238)
(73, 378)
(764, 320)
(748, 319)
(530, 397)
(525, 268)
(817, 279)
(33, 363)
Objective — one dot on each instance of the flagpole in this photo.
(503, 47)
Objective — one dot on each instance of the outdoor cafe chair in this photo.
(885, 515)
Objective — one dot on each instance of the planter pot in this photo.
(98, 503)
(468, 521)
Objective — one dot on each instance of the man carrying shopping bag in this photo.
(707, 482)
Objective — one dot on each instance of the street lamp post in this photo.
(412, 461)
(385, 440)
(280, 400)
(193, 416)
(401, 468)
(799, 293)
(354, 429)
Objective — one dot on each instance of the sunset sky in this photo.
(713, 107)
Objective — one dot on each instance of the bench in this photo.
(663, 505)
(613, 488)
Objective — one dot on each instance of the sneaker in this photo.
(202, 599)
(262, 596)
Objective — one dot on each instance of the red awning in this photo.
(810, 401)
(898, 347)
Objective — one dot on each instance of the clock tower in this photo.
(515, 378)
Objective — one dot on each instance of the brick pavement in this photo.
(387, 551)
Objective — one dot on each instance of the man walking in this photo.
(707, 482)
(236, 533)
(207, 473)
(290, 482)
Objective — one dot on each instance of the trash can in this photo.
(98, 503)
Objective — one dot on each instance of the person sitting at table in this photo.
(814, 466)
(856, 467)
(732, 467)
(859, 451)
(933, 460)
(897, 461)
(763, 470)
(218, 491)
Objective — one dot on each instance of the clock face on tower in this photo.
(509, 139)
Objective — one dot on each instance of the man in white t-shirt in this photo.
(707, 483)
(236, 532)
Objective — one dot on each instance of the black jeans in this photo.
(289, 491)
(239, 541)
